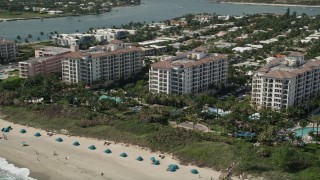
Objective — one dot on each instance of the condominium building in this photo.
(8, 49)
(77, 39)
(192, 72)
(91, 66)
(47, 60)
(286, 82)
(41, 65)
(114, 34)
(50, 51)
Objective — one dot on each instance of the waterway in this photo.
(148, 11)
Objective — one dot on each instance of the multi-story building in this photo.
(47, 60)
(50, 51)
(192, 72)
(91, 66)
(8, 49)
(114, 34)
(41, 65)
(286, 82)
(77, 39)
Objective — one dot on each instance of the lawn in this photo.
(16, 74)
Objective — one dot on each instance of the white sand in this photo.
(85, 163)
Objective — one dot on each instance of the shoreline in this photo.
(31, 18)
(268, 4)
(87, 164)
(58, 16)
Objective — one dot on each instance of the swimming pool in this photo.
(305, 131)
(3, 76)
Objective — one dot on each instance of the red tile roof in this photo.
(76, 55)
(167, 64)
(280, 74)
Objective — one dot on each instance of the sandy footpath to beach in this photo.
(84, 163)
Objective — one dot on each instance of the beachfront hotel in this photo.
(112, 63)
(8, 49)
(285, 82)
(47, 60)
(192, 72)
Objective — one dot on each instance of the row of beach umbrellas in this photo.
(171, 167)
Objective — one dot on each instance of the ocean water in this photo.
(10, 172)
(148, 11)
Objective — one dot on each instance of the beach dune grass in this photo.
(213, 151)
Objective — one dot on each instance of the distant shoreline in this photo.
(268, 4)
(55, 16)
(23, 19)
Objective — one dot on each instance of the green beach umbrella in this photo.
(76, 143)
(139, 158)
(173, 166)
(23, 131)
(194, 171)
(37, 134)
(156, 162)
(123, 155)
(172, 169)
(92, 147)
(59, 139)
(6, 129)
(152, 159)
(108, 151)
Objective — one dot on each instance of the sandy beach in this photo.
(84, 163)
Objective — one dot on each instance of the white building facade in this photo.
(192, 72)
(89, 67)
(284, 83)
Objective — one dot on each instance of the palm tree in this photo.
(193, 117)
(303, 124)
(316, 120)
(29, 36)
(41, 34)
